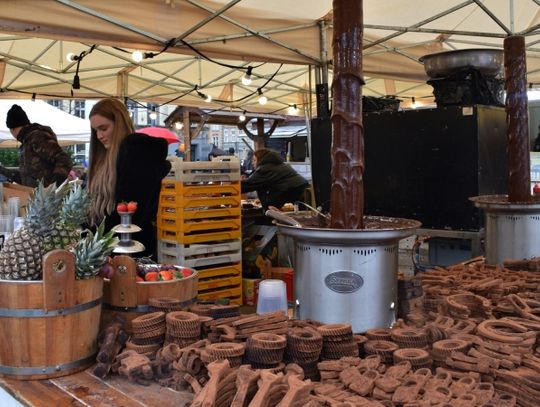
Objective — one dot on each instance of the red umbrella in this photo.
(160, 132)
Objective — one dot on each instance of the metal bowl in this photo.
(487, 61)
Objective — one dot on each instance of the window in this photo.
(79, 108)
(56, 103)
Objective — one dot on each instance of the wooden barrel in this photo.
(49, 328)
(124, 296)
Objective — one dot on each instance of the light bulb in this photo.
(137, 56)
(178, 125)
(71, 57)
(293, 109)
(246, 80)
(413, 104)
(242, 117)
(208, 98)
(263, 99)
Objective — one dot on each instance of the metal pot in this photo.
(348, 275)
(488, 61)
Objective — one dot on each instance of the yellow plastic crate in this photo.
(199, 225)
(217, 272)
(201, 202)
(218, 283)
(181, 214)
(204, 237)
(180, 189)
(233, 294)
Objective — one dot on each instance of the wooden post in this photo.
(347, 190)
(261, 137)
(187, 136)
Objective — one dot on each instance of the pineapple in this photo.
(92, 251)
(20, 258)
(66, 231)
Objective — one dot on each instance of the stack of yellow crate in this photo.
(199, 224)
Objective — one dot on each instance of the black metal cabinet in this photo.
(425, 164)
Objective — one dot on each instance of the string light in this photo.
(293, 109)
(242, 117)
(262, 99)
(413, 104)
(137, 56)
(246, 79)
(71, 57)
(178, 125)
(207, 98)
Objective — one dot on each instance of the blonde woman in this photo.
(124, 166)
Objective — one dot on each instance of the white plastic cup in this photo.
(18, 223)
(272, 296)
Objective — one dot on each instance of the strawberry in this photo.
(165, 275)
(131, 206)
(151, 276)
(186, 272)
(121, 207)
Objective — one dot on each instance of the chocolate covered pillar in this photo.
(347, 191)
(517, 123)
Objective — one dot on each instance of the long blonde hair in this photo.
(102, 169)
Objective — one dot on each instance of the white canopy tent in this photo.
(68, 128)
(36, 35)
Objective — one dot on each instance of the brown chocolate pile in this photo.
(471, 339)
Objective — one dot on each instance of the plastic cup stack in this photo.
(6, 223)
(18, 223)
(272, 296)
(14, 206)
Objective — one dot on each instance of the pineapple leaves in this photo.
(92, 251)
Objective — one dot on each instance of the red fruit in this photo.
(165, 275)
(121, 207)
(132, 206)
(106, 270)
(186, 272)
(151, 276)
(138, 279)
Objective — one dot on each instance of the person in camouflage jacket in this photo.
(40, 155)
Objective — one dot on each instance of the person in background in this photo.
(275, 181)
(124, 166)
(40, 155)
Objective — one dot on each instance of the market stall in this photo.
(468, 335)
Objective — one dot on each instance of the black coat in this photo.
(275, 181)
(142, 164)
